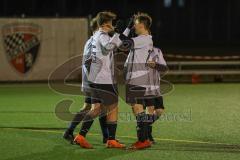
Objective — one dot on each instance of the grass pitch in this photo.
(201, 122)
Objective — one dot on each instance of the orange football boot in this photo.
(114, 144)
(141, 145)
(79, 139)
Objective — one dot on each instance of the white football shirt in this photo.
(137, 73)
(102, 66)
(86, 56)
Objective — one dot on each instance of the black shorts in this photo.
(90, 100)
(106, 94)
(87, 93)
(157, 103)
(136, 95)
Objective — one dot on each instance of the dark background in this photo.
(189, 26)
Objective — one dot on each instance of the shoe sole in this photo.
(133, 148)
(116, 147)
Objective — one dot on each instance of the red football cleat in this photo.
(141, 145)
(114, 144)
(79, 139)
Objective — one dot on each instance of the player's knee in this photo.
(159, 112)
(95, 111)
(150, 110)
(137, 108)
(112, 112)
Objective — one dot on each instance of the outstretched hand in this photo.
(131, 22)
(119, 26)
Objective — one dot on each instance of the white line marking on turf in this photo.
(131, 137)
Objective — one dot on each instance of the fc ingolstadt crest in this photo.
(21, 44)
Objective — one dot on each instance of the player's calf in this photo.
(142, 133)
(112, 118)
(68, 134)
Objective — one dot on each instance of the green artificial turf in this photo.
(201, 122)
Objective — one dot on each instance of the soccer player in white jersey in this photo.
(137, 77)
(86, 62)
(157, 67)
(103, 87)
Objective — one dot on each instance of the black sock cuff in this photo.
(102, 117)
(141, 117)
(113, 122)
(85, 127)
(151, 118)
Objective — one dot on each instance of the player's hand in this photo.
(119, 26)
(151, 64)
(131, 22)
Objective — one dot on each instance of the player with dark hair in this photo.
(103, 86)
(68, 135)
(137, 76)
(157, 67)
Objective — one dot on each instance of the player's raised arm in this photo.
(107, 42)
(118, 37)
(115, 40)
(104, 20)
(129, 27)
(110, 43)
(142, 26)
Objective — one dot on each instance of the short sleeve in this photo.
(104, 39)
(161, 58)
(109, 43)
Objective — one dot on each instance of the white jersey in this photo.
(86, 56)
(137, 71)
(154, 75)
(102, 66)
